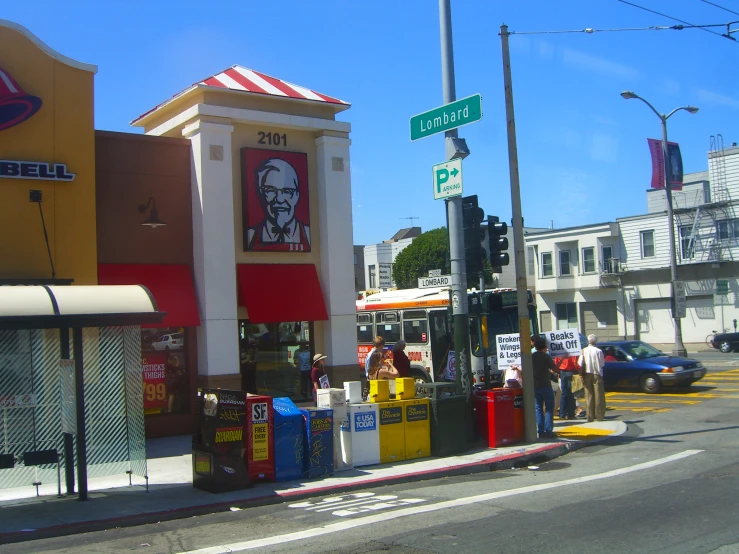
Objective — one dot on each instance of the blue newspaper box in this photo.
(289, 430)
(319, 444)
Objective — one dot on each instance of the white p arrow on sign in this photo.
(447, 179)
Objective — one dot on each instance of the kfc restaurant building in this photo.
(233, 210)
(271, 228)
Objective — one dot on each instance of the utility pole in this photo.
(454, 218)
(524, 324)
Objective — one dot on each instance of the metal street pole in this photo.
(524, 324)
(454, 217)
(679, 349)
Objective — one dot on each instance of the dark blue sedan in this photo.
(634, 363)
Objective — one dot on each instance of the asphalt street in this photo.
(668, 485)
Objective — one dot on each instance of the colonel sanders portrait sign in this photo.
(275, 193)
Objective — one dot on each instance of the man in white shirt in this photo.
(592, 361)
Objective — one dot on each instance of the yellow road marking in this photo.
(662, 395)
(650, 401)
(582, 432)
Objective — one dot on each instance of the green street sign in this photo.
(447, 179)
(722, 286)
(446, 117)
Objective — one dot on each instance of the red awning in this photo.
(171, 286)
(273, 293)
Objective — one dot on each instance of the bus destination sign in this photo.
(435, 282)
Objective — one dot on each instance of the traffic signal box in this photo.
(474, 235)
(497, 244)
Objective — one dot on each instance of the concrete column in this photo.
(337, 275)
(214, 253)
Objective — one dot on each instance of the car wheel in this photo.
(651, 384)
(725, 346)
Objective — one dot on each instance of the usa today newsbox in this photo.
(218, 463)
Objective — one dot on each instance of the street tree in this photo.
(427, 251)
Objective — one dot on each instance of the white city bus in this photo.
(421, 317)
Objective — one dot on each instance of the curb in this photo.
(541, 454)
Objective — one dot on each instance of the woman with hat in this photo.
(316, 372)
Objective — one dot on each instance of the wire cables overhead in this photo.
(720, 7)
(701, 27)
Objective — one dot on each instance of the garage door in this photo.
(600, 318)
(654, 321)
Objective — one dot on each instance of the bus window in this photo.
(364, 329)
(388, 326)
(415, 327)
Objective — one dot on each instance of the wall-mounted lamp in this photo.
(153, 220)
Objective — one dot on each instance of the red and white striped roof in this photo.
(242, 79)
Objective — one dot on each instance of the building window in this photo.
(165, 371)
(566, 315)
(546, 264)
(356, 259)
(531, 260)
(647, 244)
(372, 277)
(273, 356)
(565, 268)
(607, 259)
(588, 260)
(727, 230)
(687, 250)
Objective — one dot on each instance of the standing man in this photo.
(377, 345)
(592, 360)
(544, 368)
(318, 373)
(400, 359)
(567, 369)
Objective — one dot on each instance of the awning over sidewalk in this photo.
(49, 307)
(273, 293)
(171, 286)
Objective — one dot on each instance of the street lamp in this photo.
(679, 349)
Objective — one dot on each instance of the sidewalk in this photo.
(113, 503)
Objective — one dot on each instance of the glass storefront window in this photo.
(165, 371)
(276, 358)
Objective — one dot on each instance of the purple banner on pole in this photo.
(674, 168)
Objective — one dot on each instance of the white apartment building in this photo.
(613, 279)
(379, 258)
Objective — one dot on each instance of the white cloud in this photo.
(716, 98)
(581, 60)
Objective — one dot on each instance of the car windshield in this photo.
(640, 350)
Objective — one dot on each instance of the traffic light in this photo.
(497, 244)
(474, 235)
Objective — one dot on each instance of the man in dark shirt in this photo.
(543, 368)
(400, 359)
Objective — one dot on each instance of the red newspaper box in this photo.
(494, 416)
(259, 438)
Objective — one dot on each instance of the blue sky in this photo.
(582, 149)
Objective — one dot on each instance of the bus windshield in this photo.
(500, 322)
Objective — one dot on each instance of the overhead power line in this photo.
(720, 7)
(701, 27)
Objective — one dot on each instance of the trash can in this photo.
(519, 426)
(417, 431)
(289, 440)
(319, 444)
(494, 416)
(392, 432)
(448, 423)
(259, 438)
(217, 453)
(336, 400)
(365, 433)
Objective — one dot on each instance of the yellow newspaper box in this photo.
(416, 415)
(379, 390)
(405, 388)
(392, 432)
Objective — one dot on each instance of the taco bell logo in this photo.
(365, 421)
(15, 104)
